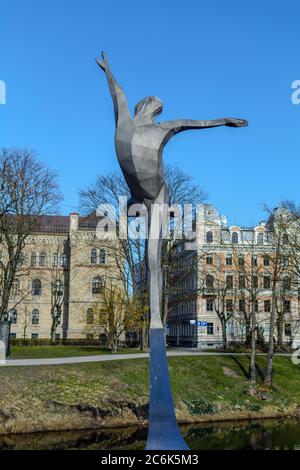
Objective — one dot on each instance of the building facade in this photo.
(233, 273)
(63, 266)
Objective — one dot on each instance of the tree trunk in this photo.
(53, 331)
(224, 334)
(280, 329)
(252, 365)
(269, 371)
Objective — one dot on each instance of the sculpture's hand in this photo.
(103, 64)
(233, 122)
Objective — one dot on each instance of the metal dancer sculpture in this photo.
(139, 143)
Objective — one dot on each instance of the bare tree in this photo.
(27, 190)
(24, 320)
(116, 314)
(129, 254)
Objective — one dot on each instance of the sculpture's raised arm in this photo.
(180, 125)
(116, 91)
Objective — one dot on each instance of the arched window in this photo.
(102, 257)
(35, 317)
(285, 238)
(33, 259)
(260, 238)
(234, 238)
(286, 282)
(209, 237)
(58, 287)
(15, 287)
(90, 316)
(93, 256)
(96, 285)
(209, 281)
(63, 260)
(36, 287)
(42, 259)
(14, 316)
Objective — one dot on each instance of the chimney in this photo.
(74, 216)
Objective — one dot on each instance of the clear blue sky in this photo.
(204, 59)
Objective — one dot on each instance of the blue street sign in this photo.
(198, 322)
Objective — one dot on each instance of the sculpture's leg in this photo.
(163, 430)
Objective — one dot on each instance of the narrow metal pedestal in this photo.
(163, 431)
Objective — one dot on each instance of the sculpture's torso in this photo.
(139, 150)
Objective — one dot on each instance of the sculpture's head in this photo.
(150, 106)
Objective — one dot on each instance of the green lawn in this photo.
(75, 396)
(40, 352)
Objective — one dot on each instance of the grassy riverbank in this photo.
(94, 395)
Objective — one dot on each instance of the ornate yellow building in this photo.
(63, 266)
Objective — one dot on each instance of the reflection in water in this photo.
(266, 434)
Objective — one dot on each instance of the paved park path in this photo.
(115, 357)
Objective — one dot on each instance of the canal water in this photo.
(245, 435)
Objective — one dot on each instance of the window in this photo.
(58, 287)
(266, 261)
(229, 306)
(96, 285)
(54, 260)
(90, 316)
(34, 336)
(209, 305)
(93, 256)
(35, 317)
(286, 283)
(229, 281)
(42, 259)
(209, 237)
(63, 260)
(254, 260)
(255, 281)
(12, 335)
(209, 259)
(260, 238)
(36, 287)
(241, 305)
(286, 306)
(89, 336)
(15, 287)
(228, 260)
(242, 282)
(288, 329)
(33, 259)
(256, 305)
(102, 257)
(285, 238)
(267, 305)
(209, 281)
(210, 328)
(14, 316)
(234, 238)
(267, 282)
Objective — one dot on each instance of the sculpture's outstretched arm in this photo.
(180, 125)
(116, 91)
